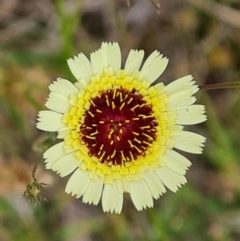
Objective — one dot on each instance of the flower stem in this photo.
(36, 164)
(226, 85)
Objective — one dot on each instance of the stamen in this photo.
(138, 141)
(147, 136)
(92, 103)
(145, 142)
(113, 105)
(114, 153)
(135, 133)
(90, 113)
(137, 149)
(131, 156)
(145, 127)
(107, 100)
(135, 118)
(130, 100)
(121, 99)
(130, 143)
(114, 93)
(94, 133)
(122, 105)
(101, 157)
(133, 108)
(110, 133)
(123, 157)
(146, 116)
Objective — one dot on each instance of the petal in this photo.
(189, 141)
(179, 85)
(78, 183)
(154, 67)
(126, 185)
(57, 103)
(120, 185)
(80, 67)
(134, 61)
(66, 164)
(81, 84)
(94, 191)
(99, 61)
(50, 121)
(63, 87)
(180, 100)
(53, 154)
(112, 199)
(177, 162)
(113, 55)
(62, 133)
(190, 115)
(170, 179)
(154, 183)
(150, 60)
(141, 195)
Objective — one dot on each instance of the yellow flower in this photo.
(119, 133)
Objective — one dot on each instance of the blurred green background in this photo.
(200, 37)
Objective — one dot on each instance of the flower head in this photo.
(34, 191)
(119, 133)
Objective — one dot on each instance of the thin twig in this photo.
(223, 13)
(128, 3)
(36, 164)
(226, 85)
(156, 5)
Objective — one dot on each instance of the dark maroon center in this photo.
(118, 127)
